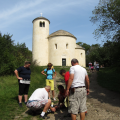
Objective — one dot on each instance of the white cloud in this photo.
(22, 6)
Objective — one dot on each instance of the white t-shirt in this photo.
(79, 76)
(39, 94)
(97, 65)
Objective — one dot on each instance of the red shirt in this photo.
(66, 77)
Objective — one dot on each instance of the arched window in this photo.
(40, 24)
(43, 24)
(67, 46)
(55, 46)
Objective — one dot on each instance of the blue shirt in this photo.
(49, 73)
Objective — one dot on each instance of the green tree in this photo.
(84, 45)
(11, 55)
(107, 14)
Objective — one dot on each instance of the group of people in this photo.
(93, 67)
(77, 89)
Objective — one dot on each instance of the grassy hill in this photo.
(9, 107)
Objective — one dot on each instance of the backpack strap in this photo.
(47, 70)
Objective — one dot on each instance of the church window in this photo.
(81, 54)
(40, 24)
(67, 46)
(55, 46)
(43, 24)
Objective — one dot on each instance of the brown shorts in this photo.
(77, 101)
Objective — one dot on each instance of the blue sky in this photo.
(70, 15)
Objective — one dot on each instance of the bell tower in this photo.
(40, 40)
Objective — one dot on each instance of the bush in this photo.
(12, 56)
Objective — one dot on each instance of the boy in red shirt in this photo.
(66, 75)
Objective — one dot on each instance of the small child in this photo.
(61, 96)
(92, 68)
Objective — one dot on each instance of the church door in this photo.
(63, 62)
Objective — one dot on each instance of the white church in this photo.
(57, 48)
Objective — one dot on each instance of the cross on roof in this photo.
(41, 14)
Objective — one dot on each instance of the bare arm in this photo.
(54, 75)
(16, 73)
(69, 83)
(43, 72)
(87, 83)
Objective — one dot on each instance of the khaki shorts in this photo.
(77, 101)
(50, 83)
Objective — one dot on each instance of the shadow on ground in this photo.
(58, 115)
(103, 97)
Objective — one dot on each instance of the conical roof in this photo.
(41, 18)
(62, 33)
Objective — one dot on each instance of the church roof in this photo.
(62, 33)
(78, 47)
(41, 18)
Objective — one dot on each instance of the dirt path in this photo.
(102, 104)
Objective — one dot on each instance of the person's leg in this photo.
(73, 116)
(20, 98)
(26, 92)
(47, 105)
(26, 98)
(83, 107)
(82, 116)
(21, 90)
(52, 88)
(53, 93)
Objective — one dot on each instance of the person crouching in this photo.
(61, 97)
(39, 99)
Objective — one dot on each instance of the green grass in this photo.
(9, 91)
(9, 108)
(109, 78)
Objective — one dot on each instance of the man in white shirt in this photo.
(39, 99)
(78, 84)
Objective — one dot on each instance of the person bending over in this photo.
(39, 99)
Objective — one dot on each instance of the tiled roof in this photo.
(61, 33)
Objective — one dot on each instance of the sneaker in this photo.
(54, 99)
(20, 104)
(44, 117)
(25, 103)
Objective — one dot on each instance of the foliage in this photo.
(84, 45)
(109, 78)
(11, 55)
(107, 15)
